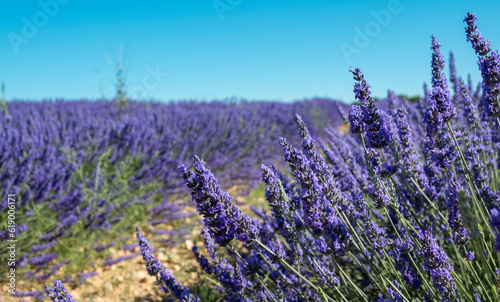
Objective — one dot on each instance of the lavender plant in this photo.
(58, 293)
(402, 209)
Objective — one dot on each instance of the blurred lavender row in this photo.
(71, 164)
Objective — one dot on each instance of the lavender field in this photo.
(315, 200)
(85, 174)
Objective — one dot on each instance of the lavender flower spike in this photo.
(438, 265)
(489, 64)
(440, 92)
(460, 233)
(374, 120)
(454, 79)
(481, 45)
(154, 266)
(275, 193)
(470, 110)
(356, 123)
(222, 216)
(58, 293)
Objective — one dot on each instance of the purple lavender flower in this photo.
(356, 123)
(44, 276)
(386, 170)
(342, 113)
(275, 193)
(375, 120)
(378, 134)
(401, 253)
(153, 265)
(310, 187)
(480, 44)
(440, 107)
(43, 259)
(165, 278)
(460, 233)
(454, 79)
(438, 265)
(109, 262)
(177, 289)
(20, 294)
(442, 152)
(376, 192)
(41, 247)
(489, 65)
(470, 110)
(392, 101)
(129, 247)
(231, 277)
(408, 154)
(58, 293)
(221, 215)
(440, 110)
(392, 293)
(54, 268)
(329, 187)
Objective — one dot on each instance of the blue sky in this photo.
(252, 49)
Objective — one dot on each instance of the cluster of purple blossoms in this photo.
(440, 109)
(58, 293)
(408, 154)
(460, 233)
(163, 276)
(489, 65)
(367, 116)
(356, 122)
(223, 218)
(230, 277)
(276, 196)
(438, 265)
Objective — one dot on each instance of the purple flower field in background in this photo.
(85, 172)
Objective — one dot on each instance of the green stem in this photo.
(256, 275)
(288, 266)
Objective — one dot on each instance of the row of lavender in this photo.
(77, 168)
(405, 208)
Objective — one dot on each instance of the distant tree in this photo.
(120, 84)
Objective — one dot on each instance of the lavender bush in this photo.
(402, 209)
